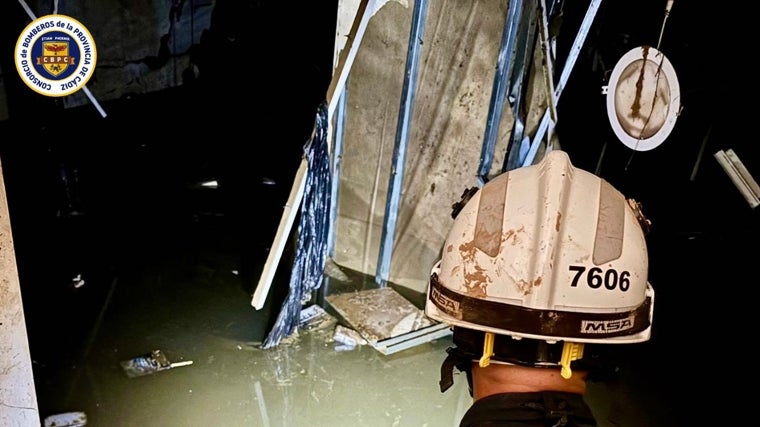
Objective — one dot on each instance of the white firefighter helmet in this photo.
(547, 252)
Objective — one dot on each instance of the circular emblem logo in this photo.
(55, 55)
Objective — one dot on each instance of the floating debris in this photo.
(150, 363)
(315, 317)
(66, 419)
(348, 337)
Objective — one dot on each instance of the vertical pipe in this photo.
(500, 85)
(337, 152)
(402, 136)
(520, 75)
(572, 56)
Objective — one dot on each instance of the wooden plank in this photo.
(283, 230)
(346, 59)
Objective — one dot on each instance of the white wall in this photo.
(18, 398)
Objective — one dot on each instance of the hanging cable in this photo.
(668, 7)
(26, 8)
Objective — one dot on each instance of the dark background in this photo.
(100, 197)
(122, 191)
(703, 241)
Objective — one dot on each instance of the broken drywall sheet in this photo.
(347, 10)
(457, 68)
(379, 314)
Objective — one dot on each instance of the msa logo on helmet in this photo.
(606, 326)
(445, 303)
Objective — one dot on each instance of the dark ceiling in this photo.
(703, 241)
(242, 110)
(680, 182)
(262, 69)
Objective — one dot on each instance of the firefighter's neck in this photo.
(502, 378)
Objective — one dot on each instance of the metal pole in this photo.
(399, 149)
(500, 85)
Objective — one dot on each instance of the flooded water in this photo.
(184, 286)
(194, 307)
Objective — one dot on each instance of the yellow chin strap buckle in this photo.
(485, 359)
(570, 351)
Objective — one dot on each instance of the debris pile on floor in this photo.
(347, 339)
(315, 317)
(379, 317)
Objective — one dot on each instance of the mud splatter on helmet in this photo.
(547, 258)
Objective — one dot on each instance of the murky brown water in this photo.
(198, 311)
(193, 304)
